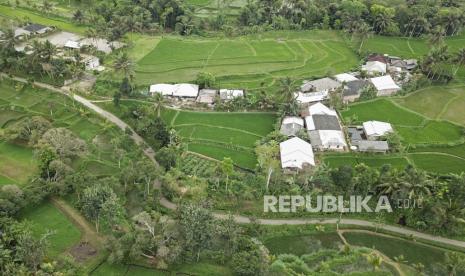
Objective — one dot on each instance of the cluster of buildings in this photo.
(191, 92)
(65, 42)
(324, 130)
(382, 72)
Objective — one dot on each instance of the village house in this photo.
(229, 94)
(385, 85)
(320, 85)
(92, 63)
(311, 97)
(372, 146)
(291, 125)
(374, 68)
(376, 129)
(181, 90)
(37, 29)
(345, 78)
(207, 96)
(324, 128)
(296, 154)
(353, 89)
(21, 33)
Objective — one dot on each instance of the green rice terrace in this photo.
(246, 62)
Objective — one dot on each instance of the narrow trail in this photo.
(87, 230)
(150, 153)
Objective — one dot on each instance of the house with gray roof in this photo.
(353, 89)
(291, 125)
(37, 28)
(320, 85)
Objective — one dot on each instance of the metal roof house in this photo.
(376, 129)
(296, 154)
(385, 85)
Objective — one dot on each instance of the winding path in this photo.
(149, 152)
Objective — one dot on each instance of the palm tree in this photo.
(363, 32)
(287, 90)
(459, 60)
(436, 37)
(125, 65)
(159, 102)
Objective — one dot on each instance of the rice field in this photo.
(248, 61)
(219, 134)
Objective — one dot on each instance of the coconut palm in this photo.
(375, 260)
(459, 60)
(125, 65)
(287, 90)
(159, 102)
(436, 37)
(363, 32)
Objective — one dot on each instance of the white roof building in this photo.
(375, 129)
(328, 139)
(72, 44)
(296, 153)
(102, 44)
(321, 109)
(229, 94)
(21, 32)
(207, 96)
(311, 97)
(385, 85)
(181, 90)
(345, 77)
(163, 88)
(373, 67)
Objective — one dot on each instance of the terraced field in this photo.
(219, 135)
(249, 61)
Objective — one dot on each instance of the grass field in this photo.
(392, 247)
(47, 217)
(438, 162)
(248, 61)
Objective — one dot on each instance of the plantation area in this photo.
(248, 61)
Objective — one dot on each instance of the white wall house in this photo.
(296, 154)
